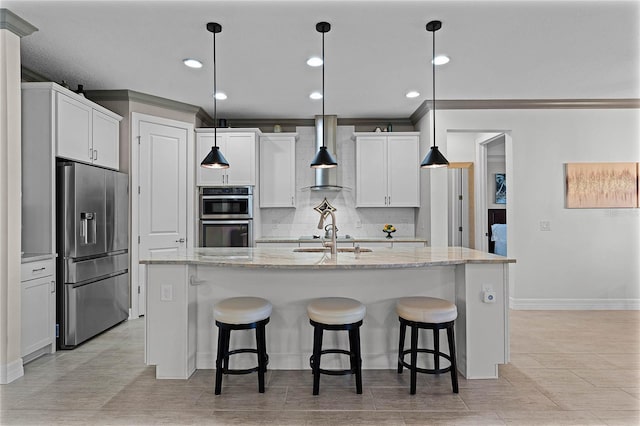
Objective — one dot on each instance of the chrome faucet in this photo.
(323, 216)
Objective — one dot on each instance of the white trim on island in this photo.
(182, 288)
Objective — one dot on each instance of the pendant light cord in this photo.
(324, 127)
(215, 109)
(433, 67)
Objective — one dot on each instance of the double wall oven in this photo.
(226, 216)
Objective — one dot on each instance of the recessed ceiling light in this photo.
(441, 60)
(412, 94)
(314, 61)
(192, 63)
(316, 95)
(221, 96)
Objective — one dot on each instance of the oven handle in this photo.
(226, 222)
(225, 197)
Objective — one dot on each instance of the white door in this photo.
(240, 153)
(162, 213)
(403, 171)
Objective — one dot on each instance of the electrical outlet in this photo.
(166, 293)
(545, 225)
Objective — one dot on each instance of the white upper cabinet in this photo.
(81, 130)
(106, 132)
(387, 170)
(278, 170)
(238, 147)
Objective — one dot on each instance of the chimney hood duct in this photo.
(327, 179)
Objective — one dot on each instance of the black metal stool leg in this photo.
(262, 361)
(403, 332)
(317, 347)
(220, 358)
(414, 359)
(436, 349)
(452, 354)
(356, 358)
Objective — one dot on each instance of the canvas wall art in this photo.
(501, 188)
(601, 185)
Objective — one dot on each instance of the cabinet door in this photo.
(36, 314)
(106, 138)
(277, 171)
(371, 171)
(73, 131)
(403, 171)
(240, 152)
(204, 176)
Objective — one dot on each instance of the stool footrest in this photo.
(333, 372)
(426, 370)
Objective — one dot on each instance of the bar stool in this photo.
(241, 313)
(433, 314)
(336, 313)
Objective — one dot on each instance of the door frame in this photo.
(137, 289)
(471, 201)
(482, 188)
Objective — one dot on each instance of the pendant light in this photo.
(323, 159)
(215, 159)
(434, 157)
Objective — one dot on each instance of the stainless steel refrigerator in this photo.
(92, 207)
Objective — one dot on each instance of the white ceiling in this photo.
(376, 51)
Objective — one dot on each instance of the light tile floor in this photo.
(567, 368)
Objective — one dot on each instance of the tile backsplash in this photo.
(303, 220)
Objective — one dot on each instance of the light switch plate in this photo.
(166, 293)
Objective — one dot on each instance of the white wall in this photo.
(590, 258)
(303, 220)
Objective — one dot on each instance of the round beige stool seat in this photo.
(242, 310)
(426, 309)
(336, 310)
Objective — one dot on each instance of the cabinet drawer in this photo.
(33, 270)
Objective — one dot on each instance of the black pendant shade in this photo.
(323, 159)
(434, 157)
(215, 159)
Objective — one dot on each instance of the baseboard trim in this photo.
(574, 304)
(12, 371)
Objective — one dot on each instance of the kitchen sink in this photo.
(323, 249)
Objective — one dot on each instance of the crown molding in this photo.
(425, 107)
(133, 96)
(12, 22)
(30, 76)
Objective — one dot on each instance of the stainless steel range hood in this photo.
(327, 179)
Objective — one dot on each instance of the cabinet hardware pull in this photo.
(95, 152)
(181, 240)
(39, 269)
(53, 286)
(90, 154)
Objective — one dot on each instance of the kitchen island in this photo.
(182, 288)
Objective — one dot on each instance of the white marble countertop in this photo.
(286, 258)
(381, 239)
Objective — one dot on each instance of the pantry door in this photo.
(164, 201)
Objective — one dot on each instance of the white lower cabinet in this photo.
(38, 314)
